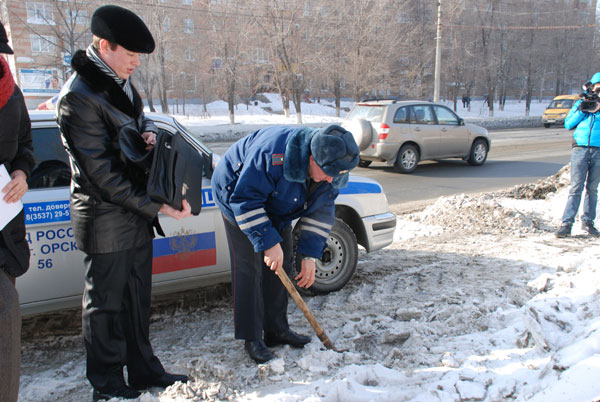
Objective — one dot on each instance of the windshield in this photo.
(561, 104)
(368, 112)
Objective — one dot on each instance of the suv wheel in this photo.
(363, 163)
(407, 159)
(547, 125)
(361, 131)
(479, 153)
(338, 263)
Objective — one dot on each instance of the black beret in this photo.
(123, 27)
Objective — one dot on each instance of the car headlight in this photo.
(563, 115)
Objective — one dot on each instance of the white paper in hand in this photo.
(7, 211)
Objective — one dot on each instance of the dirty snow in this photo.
(475, 300)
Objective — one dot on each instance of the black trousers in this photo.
(116, 317)
(259, 298)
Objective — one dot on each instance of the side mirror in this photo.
(461, 121)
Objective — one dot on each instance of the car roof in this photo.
(559, 97)
(39, 116)
(396, 102)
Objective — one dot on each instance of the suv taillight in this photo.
(383, 131)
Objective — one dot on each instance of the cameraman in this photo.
(585, 162)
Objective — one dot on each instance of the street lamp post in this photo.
(438, 54)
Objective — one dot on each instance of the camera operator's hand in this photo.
(595, 109)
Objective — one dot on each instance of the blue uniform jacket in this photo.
(261, 184)
(587, 132)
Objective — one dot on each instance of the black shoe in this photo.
(563, 231)
(123, 392)
(258, 351)
(165, 380)
(286, 337)
(589, 227)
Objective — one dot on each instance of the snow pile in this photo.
(476, 300)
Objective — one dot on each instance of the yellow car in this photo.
(556, 112)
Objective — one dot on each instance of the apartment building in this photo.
(45, 33)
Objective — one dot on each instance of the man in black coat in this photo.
(111, 212)
(16, 162)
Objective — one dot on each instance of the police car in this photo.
(194, 251)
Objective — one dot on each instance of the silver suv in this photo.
(402, 133)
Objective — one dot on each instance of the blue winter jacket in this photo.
(261, 184)
(587, 131)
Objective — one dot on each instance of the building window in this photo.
(186, 2)
(259, 55)
(42, 44)
(188, 25)
(40, 13)
(216, 63)
(80, 17)
(189, 55)
(166, 25)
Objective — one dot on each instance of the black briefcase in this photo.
(176, 172)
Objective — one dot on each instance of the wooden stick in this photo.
(285, 279)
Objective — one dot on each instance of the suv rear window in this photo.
(372, 113)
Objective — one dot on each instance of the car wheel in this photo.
(479, 153)
(361, 131)
(363, 163)
(547, 125)
(338, 263)
(407, 159)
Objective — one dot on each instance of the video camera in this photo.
(590, 98)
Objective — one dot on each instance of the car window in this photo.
(401, 115)
(51, 160)
(561, 104)
(445, 116)
(422, 114)
(372, 113)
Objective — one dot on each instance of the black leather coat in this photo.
(110, 209)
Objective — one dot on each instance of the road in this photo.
(518, 156)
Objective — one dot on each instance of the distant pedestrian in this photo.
(16, 156)
(585, 165)
(464, 101)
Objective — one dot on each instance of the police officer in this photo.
(264, 182)
(112, 214)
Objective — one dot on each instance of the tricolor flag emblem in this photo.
(278, 159)
(184, 252)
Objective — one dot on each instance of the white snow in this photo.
(475, 300)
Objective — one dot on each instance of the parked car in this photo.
(403, 133)
(194, 252)
(558, 109)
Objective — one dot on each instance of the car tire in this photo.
(407, 159)
(361, 131)
(547, 125)
(338, 264)
(479, 153)
(363, 163)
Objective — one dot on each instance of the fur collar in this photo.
(297, 157)
(7, 83)
(100, 82)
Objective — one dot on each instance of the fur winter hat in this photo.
(123, 27)
(4, 48)
(334, 150)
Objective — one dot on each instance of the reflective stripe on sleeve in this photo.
(253, 222)
(314, 222)
(313, 229)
